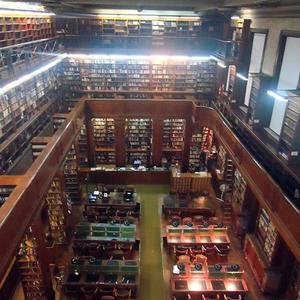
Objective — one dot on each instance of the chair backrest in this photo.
(184, 259)
(107, 298)
(237, 297)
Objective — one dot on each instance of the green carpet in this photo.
(152, 285)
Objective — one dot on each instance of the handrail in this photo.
(283, 213)
(27, 43)
(26, 198)
(19, 209)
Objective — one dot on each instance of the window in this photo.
(256, 60)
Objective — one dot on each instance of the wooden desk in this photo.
(208, 281)
(105, 233)
(188, 207)
(196, 236)
(190, 182)
(126, 176)
(102, 273)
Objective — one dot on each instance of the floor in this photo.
(155, 263)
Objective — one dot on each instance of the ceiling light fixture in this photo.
(29, 76)
(21, 6)
(241, 77)
(235, 17)
(221, 65)
(276, 96)
(4, 12)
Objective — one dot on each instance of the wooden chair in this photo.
(198, 220)
(117, 254)
(222, 252)
(180, 251)
(123, 294)
(107, 297)
(200, 259)
(211, 297)
(89, 293)
(92, 249)
(196, 251)
(213, 220)
(187, 221)
(185, 297)
(106, 291)
(184, 259)
(237, 297)
(209, 252)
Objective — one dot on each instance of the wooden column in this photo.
(120, 144)
(189, 128)
(90, 139)
(157, 141)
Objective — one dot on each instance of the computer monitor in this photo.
(92, 197)
(137, 163)
(128, 195)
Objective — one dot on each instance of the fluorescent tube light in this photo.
(158, 57)
(241, 76)
(276, 96)
(29, 76)
(24, 12)
(221, 65)
(21, 6)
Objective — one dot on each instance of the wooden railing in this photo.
(26, 200)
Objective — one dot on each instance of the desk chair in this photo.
(89, 293)
(198, 220)
(196, 251)
(117, 254)
(222, 252)
(200, 259)
(92, 249)
(214, 220)
(187, 221)
(185, 297)
(209, 251)
(107, 298)
(211, 297)
(180, 251)
(184, 259)
(237, 297)
(79, 248)
(106, 291)
(72, 292)
(123, 294)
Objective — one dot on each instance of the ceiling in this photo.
(201, 7)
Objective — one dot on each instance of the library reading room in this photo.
(150, 150)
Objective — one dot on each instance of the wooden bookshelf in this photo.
(56, 213)
(104, 140)
(5, 191)
(138, 135)
(289, 144)
(173, 140)
(140, 26)
(260, 104)
(14, 145)
(21, 29)
(238, 193)
(125, 76)
(71, 180)
(195, 151)
(82, 147)
(30, 268)
(19, 104)
(267, 234)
